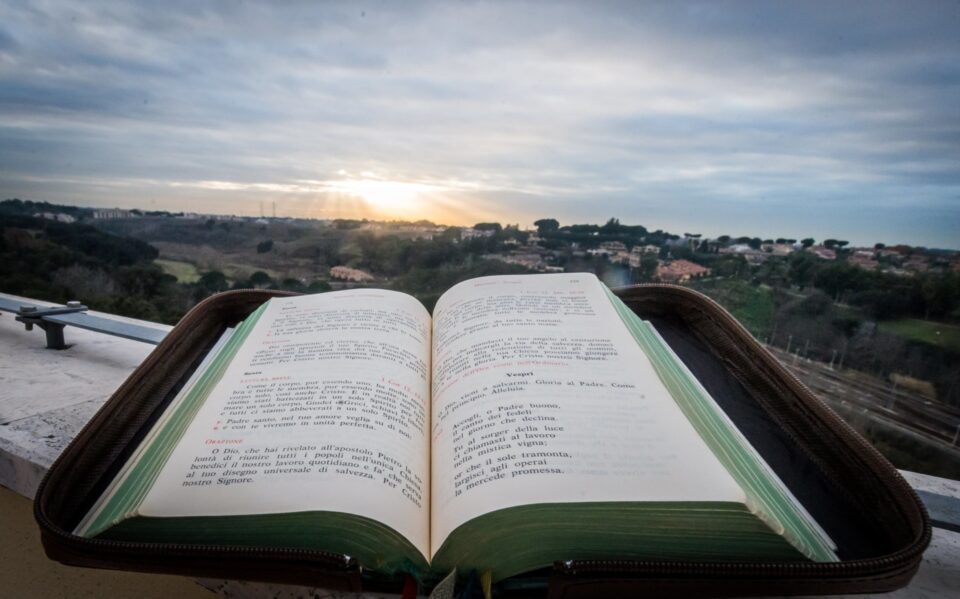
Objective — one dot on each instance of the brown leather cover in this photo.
(877, 520)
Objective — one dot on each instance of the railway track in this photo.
(905, 409)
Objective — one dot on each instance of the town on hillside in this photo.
(549, 247)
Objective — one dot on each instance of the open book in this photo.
(534, 418)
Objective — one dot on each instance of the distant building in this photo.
(778, 249)
(615, 250)
(823, 253)
(680, 271)
(741, 249)
(614, 246)
(864, 262)
(532, 260)
(737, 248)
(864, 258)
(425, 232)
(466, 234)
(916, 264)
(110, 213)
(345, 273)
(60, 217)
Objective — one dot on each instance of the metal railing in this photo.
(53, 319)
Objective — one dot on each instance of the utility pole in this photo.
(789, 341)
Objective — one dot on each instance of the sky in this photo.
(770, 119)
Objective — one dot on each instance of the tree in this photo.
(318, 286)
(292, 284)
(803, 267)
(809, 241)
(260, 279)
(648, 267)
(815, 304)
(495, 227)
(830, 243)
(265, 246)
(212, 281)
(879, 246)
(547, 225)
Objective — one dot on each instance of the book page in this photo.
(541, 395)
(324, 407)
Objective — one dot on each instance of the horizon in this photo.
(699, 116)
(818, 241)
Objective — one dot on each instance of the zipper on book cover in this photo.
(871, 566)
(907, 557)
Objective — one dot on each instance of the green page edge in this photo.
(131, 493)
(769, 498)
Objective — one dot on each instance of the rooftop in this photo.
(46, 396)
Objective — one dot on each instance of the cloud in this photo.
(784, 115)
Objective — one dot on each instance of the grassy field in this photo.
(942, 335)
(752, 305)
(184, 271)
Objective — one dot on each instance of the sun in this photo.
(391, 198)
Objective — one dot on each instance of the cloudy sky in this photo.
(832, 119)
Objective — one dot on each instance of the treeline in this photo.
(591, 236)
(880, 295)
(58, 262)
(29, 208)
(392, 255)
(811, 324)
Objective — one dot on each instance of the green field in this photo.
(942, 335)
(751, 304)
(184, 271)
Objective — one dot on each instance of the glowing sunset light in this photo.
(391, 198)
